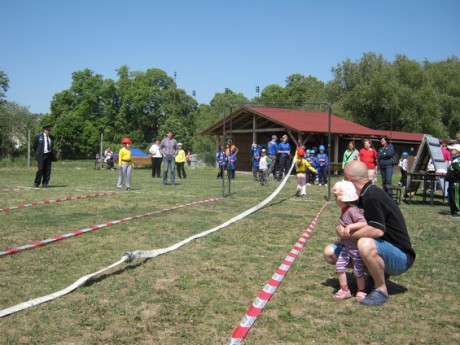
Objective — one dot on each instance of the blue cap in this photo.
(405, 154)
(321, 147)
(312, 151)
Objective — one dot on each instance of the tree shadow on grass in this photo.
(393, 288)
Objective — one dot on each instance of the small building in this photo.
(253, 124)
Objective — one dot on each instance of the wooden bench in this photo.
(396, 192)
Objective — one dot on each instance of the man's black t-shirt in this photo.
(381, 212)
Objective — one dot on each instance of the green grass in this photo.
(199, 293)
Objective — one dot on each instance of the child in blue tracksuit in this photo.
(221, 160)
(255, 154)
(312, 161)
(323, 163)
(231, 162)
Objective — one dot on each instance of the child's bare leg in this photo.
(360, 281)
(343, 292)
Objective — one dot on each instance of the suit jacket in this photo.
(39, 145)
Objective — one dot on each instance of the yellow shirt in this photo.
(180, 157)
(302, 168)
(124, 156)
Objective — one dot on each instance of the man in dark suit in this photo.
(43, 147)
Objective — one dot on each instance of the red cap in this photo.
(126, 141)
(301, 152)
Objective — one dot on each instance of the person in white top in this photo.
(157, 157)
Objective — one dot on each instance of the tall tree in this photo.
(4, 85)
(399, 95)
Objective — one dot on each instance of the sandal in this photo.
(341, 295)
(375, 298)
(360, 296)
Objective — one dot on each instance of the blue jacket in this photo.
(232, 160)
(272, 148)
(323, 160)
(284, 147)
(385, 155)
(312, 161)
(255, 154)
(221, 158)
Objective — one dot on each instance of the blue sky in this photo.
(212, 44)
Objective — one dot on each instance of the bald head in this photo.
(356, 172)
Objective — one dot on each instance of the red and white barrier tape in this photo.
(66, 198)
(128, 257)
(13, 189)
(269, 289)
(99, 226)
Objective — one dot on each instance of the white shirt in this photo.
(155, 151)
(47, 143)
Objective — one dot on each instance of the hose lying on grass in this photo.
(130, 256)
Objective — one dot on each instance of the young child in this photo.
(232, 164)
(125, 164)
(301, 166)
(403, 166)
(453, 177)
(255, 154)
(264, 163)
(311, 159)
(188, 158)
(323, 163)
(180, 161)
(221, 160)
(351, 219)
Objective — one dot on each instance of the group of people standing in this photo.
(279, 155)
(168, 152)
(384, 159)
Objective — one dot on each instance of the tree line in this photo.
(402, 95)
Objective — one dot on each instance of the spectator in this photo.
(272, 150)
(301, 170)
(180, 161)
(188, 158)
(232, 164)
(368, 155)
(385, 158)
(446, 153)
(403, 166)
(351, 220)
(221, 160)
(383, 244)
(156, 156)
(168, 149)
(453, 177)
(263, 167)
(311, 159)
(43, 147)
(230, 148)
(125, 164)
(284, 150)
(350, 154)
(323, 163)
(108, 158)
(255, 154)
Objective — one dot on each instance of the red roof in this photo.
(315, 121)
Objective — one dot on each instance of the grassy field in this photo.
(199, 293)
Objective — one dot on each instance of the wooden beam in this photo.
(259, 130)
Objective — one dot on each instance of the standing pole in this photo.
(28, 149)
(100, 155)
(329, 116)
(223, 168)
(230, 150)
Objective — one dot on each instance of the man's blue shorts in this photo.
(395, 259)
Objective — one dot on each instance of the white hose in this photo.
(143, 254)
